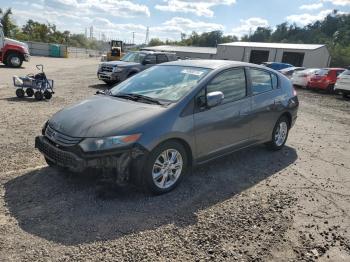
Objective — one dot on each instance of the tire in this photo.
(50, 163)
(330, 89)
(30, 92)
(131, 74)
(14, 60)
(153, 185)
(277, 142)
(109, 82)
(38, 95)
(20, 93)
(346, 95)
(47, 95)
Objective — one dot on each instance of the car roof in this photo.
(152, 52)
(334, 68)
(210, 64)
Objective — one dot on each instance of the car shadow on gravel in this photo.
(66, 209)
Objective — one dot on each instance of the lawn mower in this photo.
(34, 85)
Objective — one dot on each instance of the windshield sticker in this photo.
(192, 72)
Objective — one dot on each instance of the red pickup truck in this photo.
(12, 52)
(325, 79)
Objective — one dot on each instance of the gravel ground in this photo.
(254, 205)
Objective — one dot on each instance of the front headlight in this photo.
(106, 143)
(117, 69)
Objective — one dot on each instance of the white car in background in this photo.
(301, 78)
(288, 72)
(343, 83)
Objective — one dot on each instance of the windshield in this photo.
(322, 72)
(133, 57)
(169, 83)
(347, 72)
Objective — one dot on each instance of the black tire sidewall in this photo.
(38, 95)
(9, 60)
(272, 144)
(148, 182)
(47, 95)
(20, 93)
(29, 92)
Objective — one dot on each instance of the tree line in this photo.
(47, 33)
(333, 30)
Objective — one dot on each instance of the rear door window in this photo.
(232, 83)
(162, 59)
(151, 58)
(261, 81)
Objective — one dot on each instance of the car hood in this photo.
(121, 63)
(103, 116)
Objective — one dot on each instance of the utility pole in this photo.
(147, 36)
(133, 38)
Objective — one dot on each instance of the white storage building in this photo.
(305, 55)
(184, 52)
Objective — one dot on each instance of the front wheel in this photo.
(279, 134)
(14, 60)
(165, 167)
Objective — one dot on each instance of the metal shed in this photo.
(305, 55)
(184, 52)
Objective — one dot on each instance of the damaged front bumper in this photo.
(120, 163)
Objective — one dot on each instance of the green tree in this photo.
(7, 24)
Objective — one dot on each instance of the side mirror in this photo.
(214, 98)
(146, 62)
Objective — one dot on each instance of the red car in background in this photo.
(325, 79)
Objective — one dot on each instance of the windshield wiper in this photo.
(137, 97)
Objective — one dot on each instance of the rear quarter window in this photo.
(262, 81)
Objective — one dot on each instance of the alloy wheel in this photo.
(281, 133)
(167, 168)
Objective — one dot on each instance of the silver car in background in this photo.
(301, 78)
(343, 84)
(152, 127)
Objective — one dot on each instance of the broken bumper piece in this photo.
(120, 163)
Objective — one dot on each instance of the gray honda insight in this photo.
(151, 128)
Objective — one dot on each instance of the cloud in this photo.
(199, 8)
(305, 19)
(311, 6)
(172, 28)
(108, 7)
(338, 2)
(249, 25)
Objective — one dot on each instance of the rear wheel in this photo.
(47, 94)
(330, 89)
(30, 92)
(279, 134)
(14, 60)
(20, 92)
(50, 163)
(110, 82)
(346, 95)
(38, 95)
(165, 167)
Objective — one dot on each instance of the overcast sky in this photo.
(167, 19)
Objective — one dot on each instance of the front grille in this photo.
(61, 139)
(61, 157)
(106, 69)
